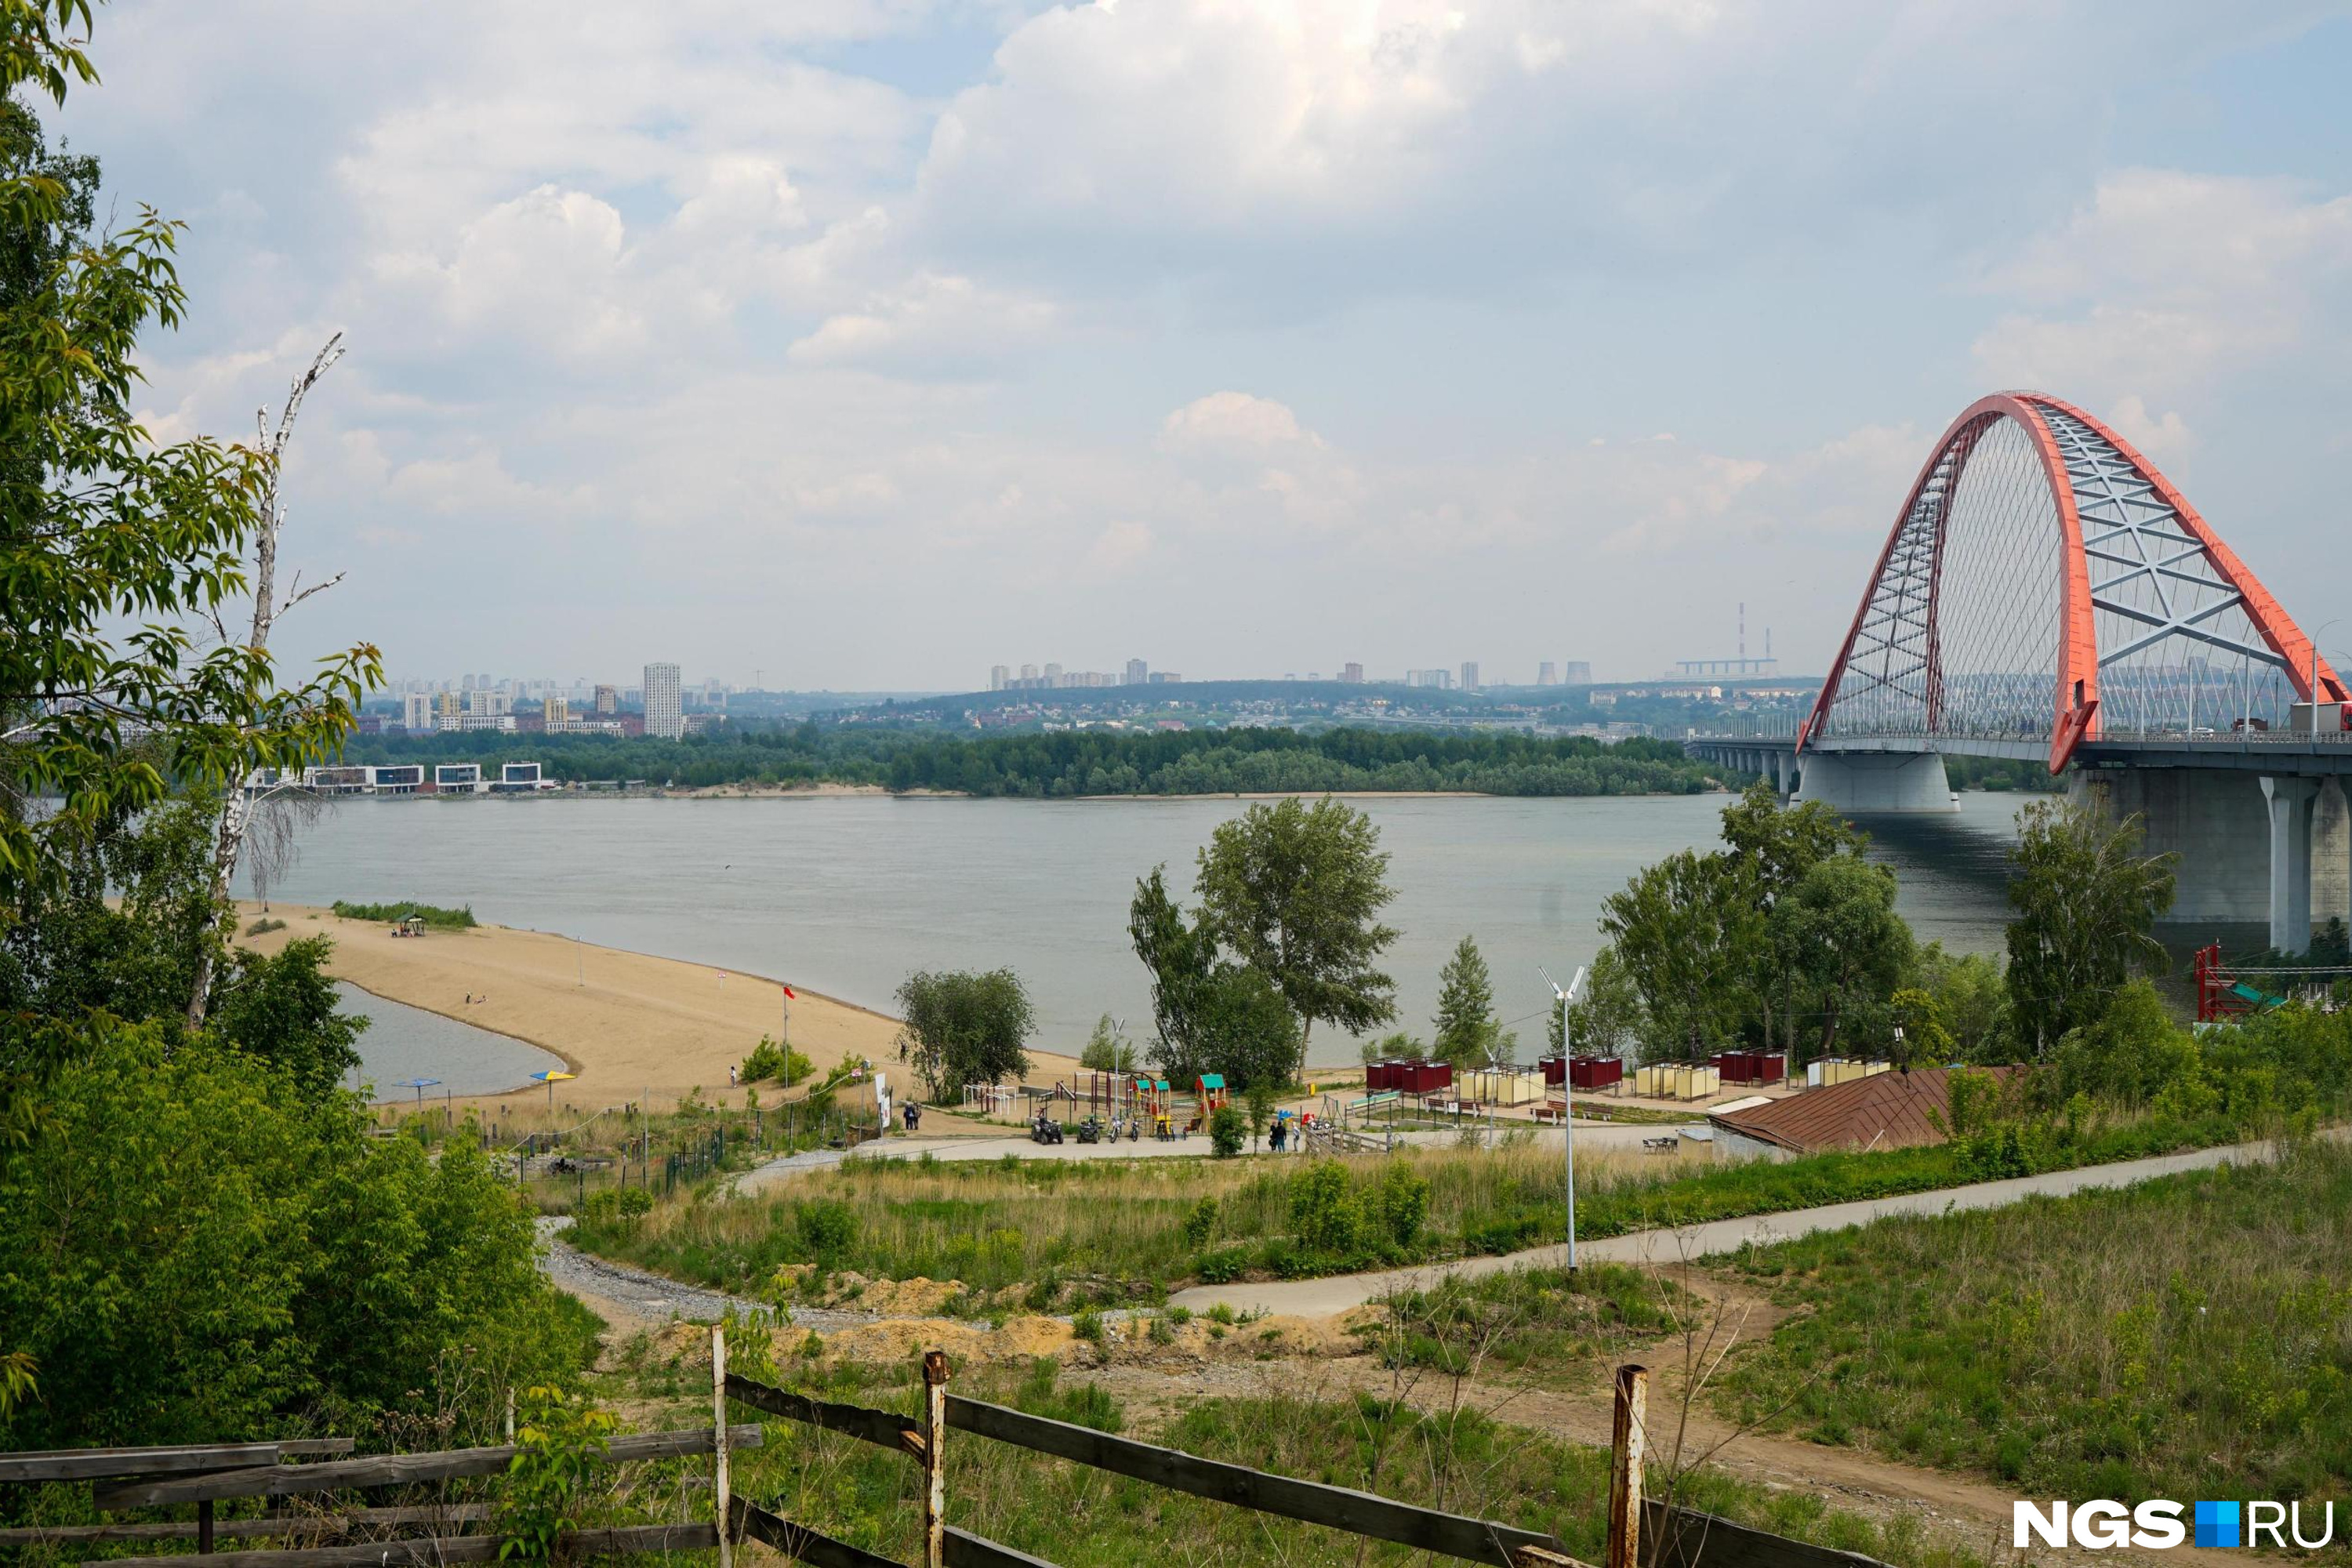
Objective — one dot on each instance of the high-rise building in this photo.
(1469, 674)
(1575, 672)
(445, 705)
(416, 712)
(489, 702)
(665, 712)
(999, 677)
(1028, 672)
(559, 712)
(1138, 672)
(1053, 674)
(608, 702)
(1546, 674)
(1351, 673)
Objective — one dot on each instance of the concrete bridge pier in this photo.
(1783, 764)
(1907, 782)
(2253, 849)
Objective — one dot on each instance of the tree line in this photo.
(1094, 761)
(1787, 939)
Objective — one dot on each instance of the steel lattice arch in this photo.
(2045, 583)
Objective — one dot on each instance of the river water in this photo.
(847, 895)
(404, 1044)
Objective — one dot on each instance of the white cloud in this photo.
(1230, 422)
(2167, 279)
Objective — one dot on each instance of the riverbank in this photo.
(632, 1027)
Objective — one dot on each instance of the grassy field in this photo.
(2185, 1338)
(1121, 1231)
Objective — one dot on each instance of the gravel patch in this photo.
(652, 1296)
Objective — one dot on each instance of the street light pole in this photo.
(1567, 1104)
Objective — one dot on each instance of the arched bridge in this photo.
(2046, 593)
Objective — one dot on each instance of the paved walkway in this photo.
(1339, 1293)
(1591, 1137)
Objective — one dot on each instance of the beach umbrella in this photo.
(419, 1084)
(551, 1078)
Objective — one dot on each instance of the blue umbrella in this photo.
(419, 1084)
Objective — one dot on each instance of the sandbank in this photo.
(633, 1026)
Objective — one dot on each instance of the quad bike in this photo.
(1044, 1130)
(1090, 1131)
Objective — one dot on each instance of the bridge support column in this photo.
(1782, 762)
(2215, 821)
(1907, 782)
(2331, 854)
(2290, 812)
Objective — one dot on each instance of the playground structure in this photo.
(2223, 992)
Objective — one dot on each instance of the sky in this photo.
(864, 345)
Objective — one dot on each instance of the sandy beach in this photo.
(631, 1026)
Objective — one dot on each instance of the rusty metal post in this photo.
(721, 1512)
(935, 1465)
(205, 1525)
(1627, 1441)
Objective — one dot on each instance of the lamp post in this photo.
(1567, 1103)
(2314, 689)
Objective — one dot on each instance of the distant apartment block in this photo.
(665, 712)
(1439, 679)
(608, 702)
(1165, 677)
(1138, 672)
(468, 723)
(456, 778)
(999, 677)
(1575, 672)
(1469, 674)
(446, 706)
(1546, 674)
(417, 711)
(1351, 673)
(485, 702)
(1029, 671)
(558, 713)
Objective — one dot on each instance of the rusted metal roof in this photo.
(1885, 1110)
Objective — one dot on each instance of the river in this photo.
(846, 895)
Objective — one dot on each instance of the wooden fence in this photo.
(1639, 1530)
(1680, 1538)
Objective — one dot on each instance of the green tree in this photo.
(1247, 1031)
(1181, 956)
(1840, 933)
(1260, 1105)
(965, 1027)
(2087, 901)
(1687, 932)
(1925, 1042)
(1777, 845)
(1296, 892)
(1108, 1049)
(101, 529)
(1465, 1027)
(1971, 998)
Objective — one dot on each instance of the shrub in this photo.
(1087, 1325)
(1201, 1223)
(1226, 1132)
(432, 915)
(1399, 1203)
(828, 1229)
(772, 1059)
(1324, 1216)
(264, 926)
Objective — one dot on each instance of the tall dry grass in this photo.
(1120, 1226)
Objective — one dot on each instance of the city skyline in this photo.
(841, 344)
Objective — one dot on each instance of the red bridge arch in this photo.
(2037, 546)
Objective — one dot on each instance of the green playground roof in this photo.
(1213, 1081)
